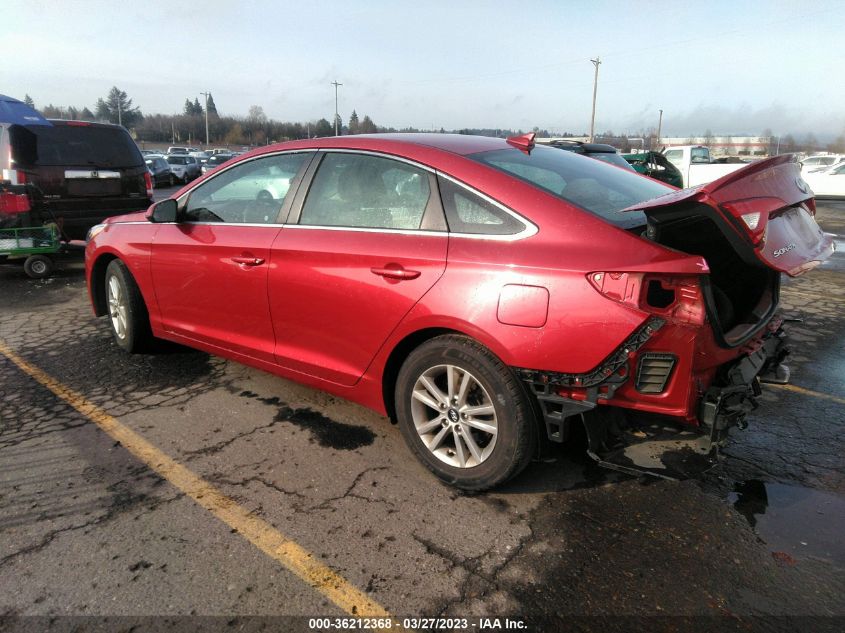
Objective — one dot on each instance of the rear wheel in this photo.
(128, 317)
(38, 266)
(171, 180)
(464, 413)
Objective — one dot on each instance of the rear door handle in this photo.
(248, 261)
(395, 273)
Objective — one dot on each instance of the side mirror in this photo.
(164, 211)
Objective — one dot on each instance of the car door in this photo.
(361, 248)
(210, 267)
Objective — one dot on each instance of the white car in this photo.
(827, 183)
(819, 161)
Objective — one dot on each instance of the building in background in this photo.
(753, 146)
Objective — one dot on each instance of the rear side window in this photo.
(362, 191)
(469, 213)
(589, 184)
(82, 145)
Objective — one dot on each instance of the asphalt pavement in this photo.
(216, 460)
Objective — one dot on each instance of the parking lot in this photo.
(179, 483)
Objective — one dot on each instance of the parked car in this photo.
(160, 171)
(85, 172)
(655, 165)
(599, 151)
(485, 294)
(215, 161)
(201, 157)
(192, 165)
(182, 167)
(819, 161)
(177, 150)
(827, 183)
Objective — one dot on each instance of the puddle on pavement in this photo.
(799, 521)
(325, 431)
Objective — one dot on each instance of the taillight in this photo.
(754, 215)
(148, 181)
(21, 177)
(675, 298)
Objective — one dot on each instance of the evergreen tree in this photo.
(367, 126)
(197, 107)
(28, 101)
(212, 109)
(323, 128)
(117, 108)
(189, 108)
(353, 123)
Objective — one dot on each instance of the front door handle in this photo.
(248, 261)
(395, 273)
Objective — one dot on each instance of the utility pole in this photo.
(119, 112)
(659, 128)
(336, 115)
(596, 62)
(206, 95)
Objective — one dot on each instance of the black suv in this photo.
(85, 172)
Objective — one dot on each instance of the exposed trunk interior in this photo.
(742, 291)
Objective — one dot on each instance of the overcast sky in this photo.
(728, 66)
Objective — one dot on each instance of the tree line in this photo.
(189, 126)
(257, 129)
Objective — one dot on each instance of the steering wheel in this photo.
(264, 208)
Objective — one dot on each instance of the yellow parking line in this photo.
(808, 392)
(257, 531)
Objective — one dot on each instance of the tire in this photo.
(482, 384)
(38, 266)
(127, 312)
(171, 180)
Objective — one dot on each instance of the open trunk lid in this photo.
(766, 210)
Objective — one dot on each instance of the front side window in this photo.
(362, 191)
(252, 192)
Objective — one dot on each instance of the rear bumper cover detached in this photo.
(731, 396)
(734, 394)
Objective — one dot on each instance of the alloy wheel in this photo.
(454, 416)
(117, 307)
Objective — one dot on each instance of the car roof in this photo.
(76, 123)
(454, 143)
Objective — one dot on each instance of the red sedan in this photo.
(485, 294)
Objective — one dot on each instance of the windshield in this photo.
(83, 145)
(590, 184)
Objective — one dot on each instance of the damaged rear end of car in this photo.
(668, 396)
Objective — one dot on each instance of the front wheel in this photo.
(128, 317)
(464, 413)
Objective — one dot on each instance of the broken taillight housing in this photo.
(675, 298)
